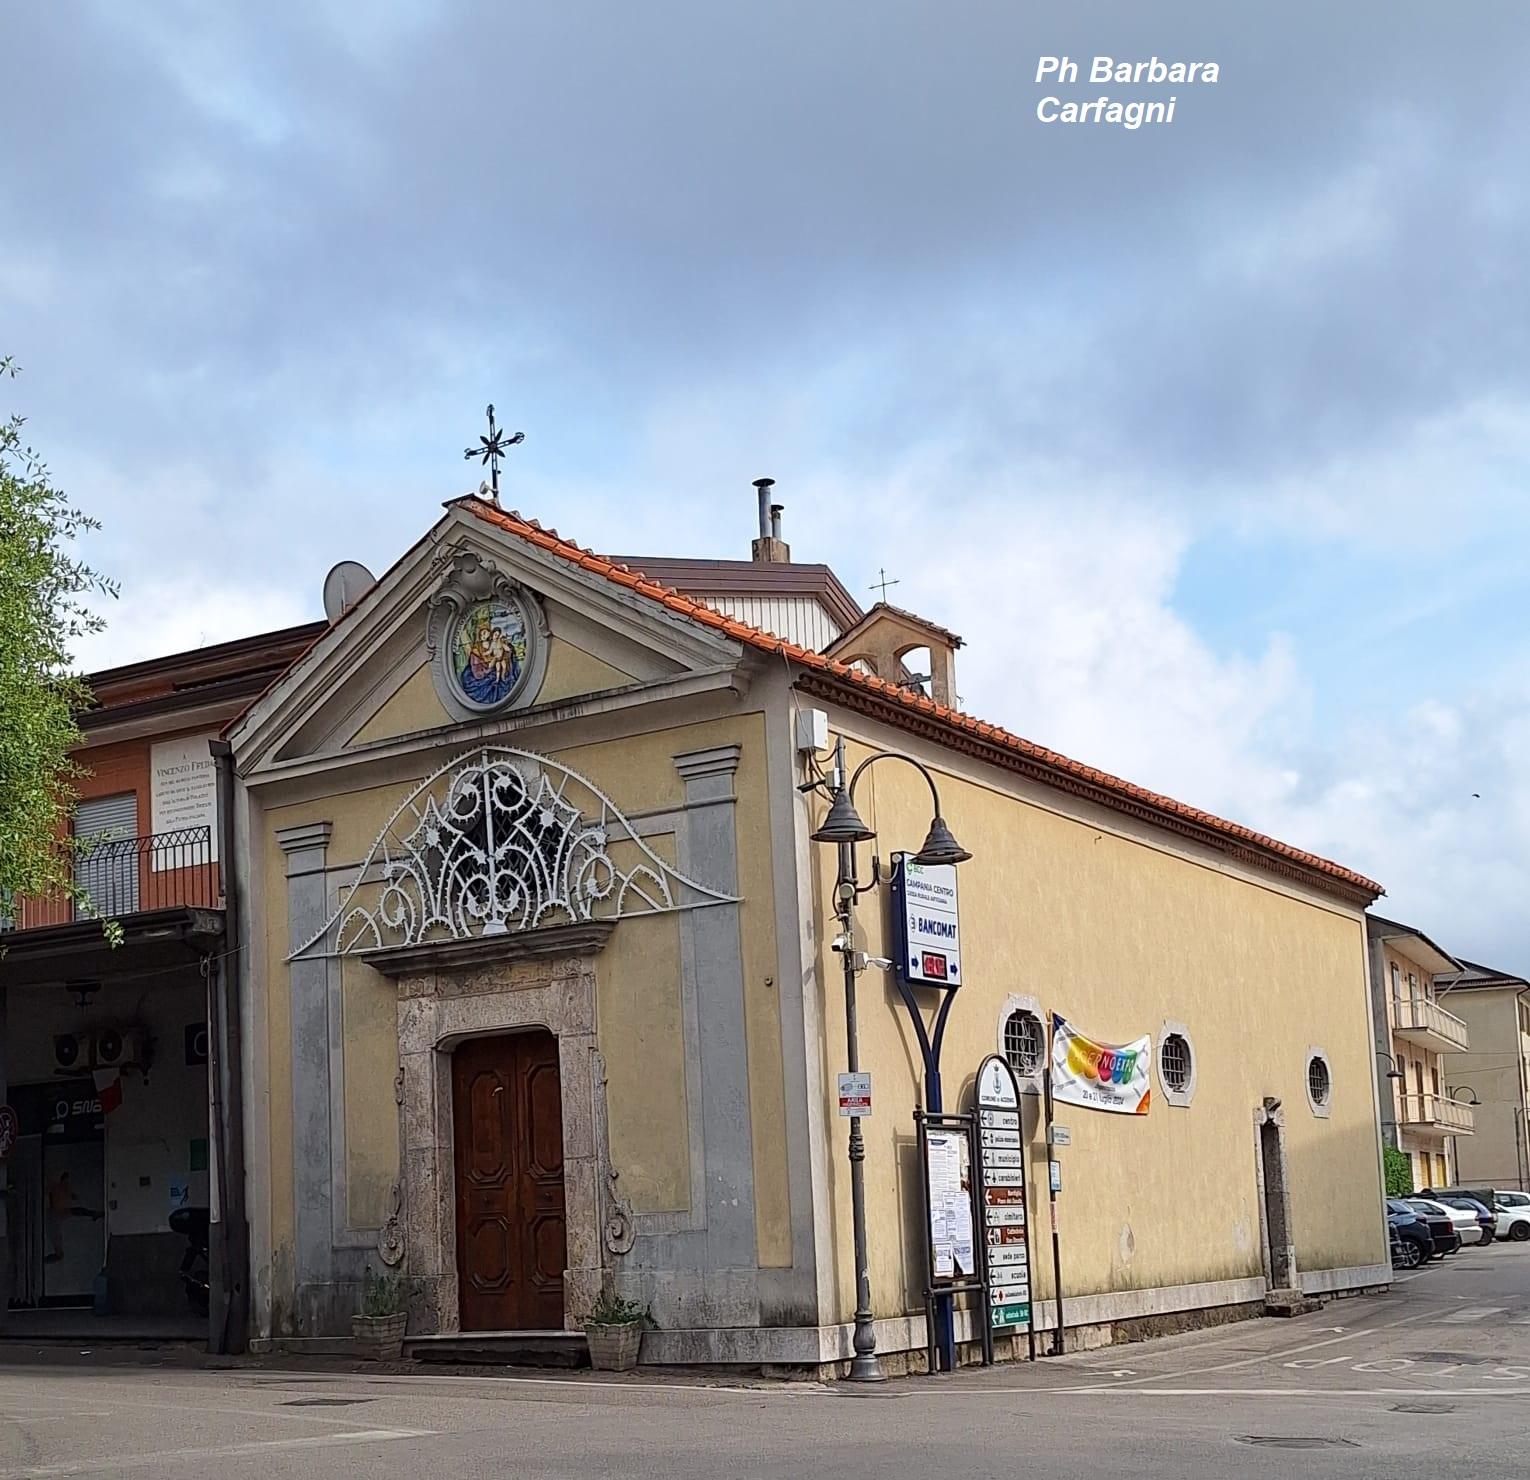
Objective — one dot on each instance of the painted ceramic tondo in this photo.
(488, 651)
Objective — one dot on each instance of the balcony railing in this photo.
(1422, 1020)
(1437, 1113)
(129, 876)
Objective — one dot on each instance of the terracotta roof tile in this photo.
(768, 642)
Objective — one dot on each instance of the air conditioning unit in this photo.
(117, 1047)
(71, 1052)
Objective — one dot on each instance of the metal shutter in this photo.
(108, 873)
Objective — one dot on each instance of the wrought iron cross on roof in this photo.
(883, 584)
(491, 448)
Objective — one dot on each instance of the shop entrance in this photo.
(507, 1113)
(110, 1090)
(58, 1195)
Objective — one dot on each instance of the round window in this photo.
(1025, 1042)
(1319, 1085)
(1174, 1062)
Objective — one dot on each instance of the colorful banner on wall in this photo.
(1100, 1076)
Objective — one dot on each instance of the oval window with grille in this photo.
(1025, 1042)
(1319, 1083)
(1174, 1062)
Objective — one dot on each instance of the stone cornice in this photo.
(586, 938)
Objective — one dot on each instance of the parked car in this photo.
(1511, 1209)
(1441, 1226)
(1412, 1243)
(1465, 1223)
(1513, 1215)
(1484, 1195)
(1487, 1221)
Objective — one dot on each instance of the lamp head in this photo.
(843, 824)
(940, 846)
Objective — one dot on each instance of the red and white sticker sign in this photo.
(855, 1094)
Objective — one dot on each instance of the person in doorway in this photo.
(61, 1205)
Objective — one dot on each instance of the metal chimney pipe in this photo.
(763, 486)
(775, 520)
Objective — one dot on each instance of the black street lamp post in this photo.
(844, 828)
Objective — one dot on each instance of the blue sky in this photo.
(1212, 439)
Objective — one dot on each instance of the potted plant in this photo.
(614, 1331)
(378, 1332)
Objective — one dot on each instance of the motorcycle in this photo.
(192, 1225)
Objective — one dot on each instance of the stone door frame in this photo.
(1278, 1258)
(437, 1011)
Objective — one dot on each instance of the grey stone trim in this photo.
(702, 1268)
(716, 760)
(436, 1012)
(300, 839)
(1336, 1281)
(791, 1346)
(317, 1303)
(1271, 1113)
(586, 938)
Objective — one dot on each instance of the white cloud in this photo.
(155, 618)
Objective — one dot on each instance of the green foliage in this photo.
(384, 1294)
(42, 612)
(611, 1309)
(1399, 1171)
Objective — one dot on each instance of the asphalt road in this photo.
(1435, 1375)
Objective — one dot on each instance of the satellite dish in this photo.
(344, 586)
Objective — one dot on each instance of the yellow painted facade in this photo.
(699, 1105)
(1119, 933)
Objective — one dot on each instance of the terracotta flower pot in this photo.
(379, 1338)
(613, 1348)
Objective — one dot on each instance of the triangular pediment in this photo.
(407, 664)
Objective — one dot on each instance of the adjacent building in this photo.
(537, 988)
(1418, 1036)
(1493, 1072)
(105, 1051)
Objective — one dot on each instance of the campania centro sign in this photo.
(929, 932)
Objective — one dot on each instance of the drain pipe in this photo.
(230, 1313)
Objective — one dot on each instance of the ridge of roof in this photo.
(878, 608)
(750, 577)
(1383, 928)
(548, 539)
(1475, 974)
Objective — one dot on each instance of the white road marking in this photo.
(115, 1464)
(1407, 1392)
(361, 1379)
(1473, 1313)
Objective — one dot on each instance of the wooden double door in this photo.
(508, 1128)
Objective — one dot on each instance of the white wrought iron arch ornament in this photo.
(488, 845)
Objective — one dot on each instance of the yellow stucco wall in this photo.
(638, 993)
(1119, 936)
(369, 1008)
(642, 1041)
(571, 671)
(415, 706)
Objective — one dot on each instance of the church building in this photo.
(539, 991)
